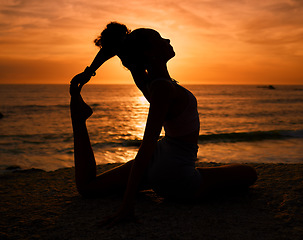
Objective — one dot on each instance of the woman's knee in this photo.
(253, 175)
(249, 174)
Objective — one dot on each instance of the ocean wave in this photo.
(34, 109)
(281, 100)
(216, 138)
(38, 138)
(37, 106)
(251, 136)
(50, 108)
(128, 141)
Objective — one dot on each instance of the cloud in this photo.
(45, 22)
(276, 30)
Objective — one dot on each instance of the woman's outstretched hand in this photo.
(124, 215)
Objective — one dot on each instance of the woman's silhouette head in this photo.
(138, 48)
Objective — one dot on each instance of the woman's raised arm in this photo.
(102, 56)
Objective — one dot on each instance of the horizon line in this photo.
(239, 84)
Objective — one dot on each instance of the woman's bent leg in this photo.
(85, 165)
(113, 181)
(88, 184)
(226, 178)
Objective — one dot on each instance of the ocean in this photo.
(239, 124)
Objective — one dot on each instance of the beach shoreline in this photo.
(36, 204)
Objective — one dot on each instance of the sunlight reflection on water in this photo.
(36, 128)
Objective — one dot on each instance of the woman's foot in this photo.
(80, 111)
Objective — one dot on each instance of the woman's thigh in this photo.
(111, 181)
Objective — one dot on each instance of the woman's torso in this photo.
(182, 120)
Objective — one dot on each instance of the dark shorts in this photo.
(171, 172)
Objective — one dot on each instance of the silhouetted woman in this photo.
(166, 166)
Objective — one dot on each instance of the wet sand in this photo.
(45, 205)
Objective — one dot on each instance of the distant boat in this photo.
(267, 87)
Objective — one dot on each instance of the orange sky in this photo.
(216, 41)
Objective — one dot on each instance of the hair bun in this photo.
(112, 36)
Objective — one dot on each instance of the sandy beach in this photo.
(45, 205)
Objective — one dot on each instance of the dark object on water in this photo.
(1, 115)
(13, 168)
(267, 87)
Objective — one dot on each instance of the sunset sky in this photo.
(216, 42)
